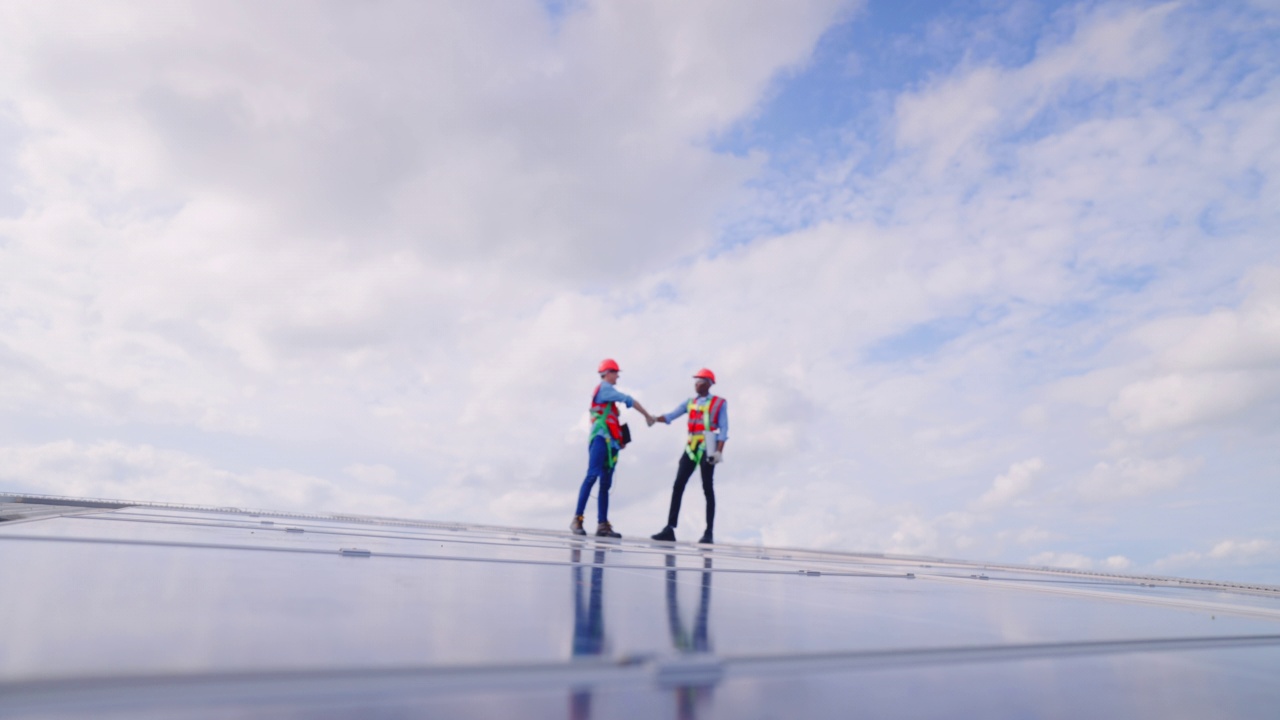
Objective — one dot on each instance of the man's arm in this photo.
(647, 417)
(609, 393)
(681, 409)
(722, 426)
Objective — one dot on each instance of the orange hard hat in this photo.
(608, 364)
(706, 374)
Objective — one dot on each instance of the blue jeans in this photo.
(597, 467)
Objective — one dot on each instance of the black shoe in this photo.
(604, 529)
(706, 538)
(668, 534)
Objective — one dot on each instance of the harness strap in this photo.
(600, 415)
(695, 446)
(601, 427)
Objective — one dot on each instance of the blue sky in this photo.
(863, 61)
(997, 280)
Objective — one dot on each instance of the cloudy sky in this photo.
(1000, 282)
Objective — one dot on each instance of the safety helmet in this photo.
(706, 374)
(608, 364)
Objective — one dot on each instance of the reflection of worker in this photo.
(603, 445)
(680, 638)
(708, 418)
(689, 697)
(588, 625)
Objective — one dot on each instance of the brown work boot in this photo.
(576, 525)
(606, 530)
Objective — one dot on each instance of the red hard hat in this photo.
(706, 374)
(608, 364)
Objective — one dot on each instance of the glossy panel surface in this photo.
(164, 612)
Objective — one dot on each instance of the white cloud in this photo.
(1128, 478)
(1008, 487)
(1230, 552)
(1068, 560)
(1176, 400)
(549, 149)
(282, 229)
(914, 536)
(1076, 561)
(1117, 562)
(142, 472)
(954, 120)
(375, 475)
(1241, 550)
(1026, 536)
(1209, 368)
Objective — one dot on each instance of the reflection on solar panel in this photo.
(144, 610)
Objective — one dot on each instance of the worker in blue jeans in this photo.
(603, 445)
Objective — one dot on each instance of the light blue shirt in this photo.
(608, 393)
(721, 421)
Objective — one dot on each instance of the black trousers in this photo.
(683, 473)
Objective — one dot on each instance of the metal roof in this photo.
(120, 609)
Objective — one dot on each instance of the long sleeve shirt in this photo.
(608, 393)
(721, 421)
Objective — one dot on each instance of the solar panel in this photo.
(121, 609)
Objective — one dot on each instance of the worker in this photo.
(704, 448)
(588, 625)
(602, 447)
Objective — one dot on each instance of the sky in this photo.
(996, 280)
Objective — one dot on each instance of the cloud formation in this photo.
(1009, 486)
(1019, 305)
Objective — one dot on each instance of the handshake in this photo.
(650, 419)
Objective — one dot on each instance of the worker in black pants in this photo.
(708, 433)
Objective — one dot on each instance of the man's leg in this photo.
(683, 472)
(606, 482)
(708, 489)
(597, 460)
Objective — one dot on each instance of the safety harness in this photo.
(604, 421)
(702, 417)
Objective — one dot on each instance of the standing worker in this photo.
(603, 445)
(708, 423)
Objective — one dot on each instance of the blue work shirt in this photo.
(721, 422)
(607, 394)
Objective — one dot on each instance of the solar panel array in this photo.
(117, 609)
